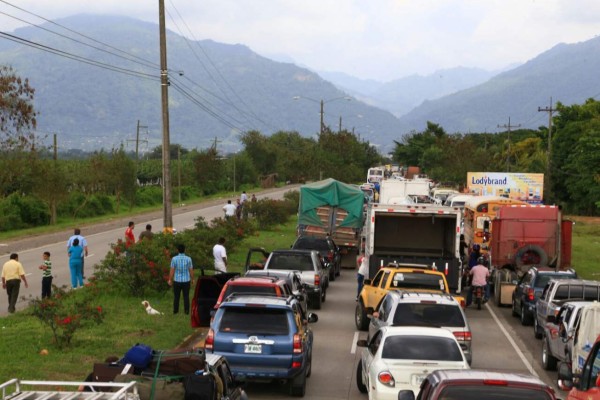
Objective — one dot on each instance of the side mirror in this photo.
(361, 343)
(551, 319)
(312, 317)
(367, 282)
(299, 297)
(375, 314)
(369, 310)
(565, 377)
(406, 395)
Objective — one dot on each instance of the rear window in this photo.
(577, 292)
(428, 348)
(256, 321)
(478, 392)
(308, 244)
(543, 279)
(418, 281)
(300, 262)
(427, 314)
(249, 289)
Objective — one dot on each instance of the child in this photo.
(46, 275)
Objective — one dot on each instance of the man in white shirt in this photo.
(229, 209)
(243, 197)
(220, 255)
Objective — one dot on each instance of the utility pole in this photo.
(179, 172)
(508, 127)
(322, 126)
(215, 143)
(137, 139)
(550, 111)
(55, 157)
(166, 142)
(340, 127)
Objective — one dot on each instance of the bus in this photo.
(479, 211)
(375, 174)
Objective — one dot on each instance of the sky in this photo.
(369, 39)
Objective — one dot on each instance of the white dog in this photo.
(149, 309)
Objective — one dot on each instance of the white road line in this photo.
(512, 342)
(353, 348)
(91, 255)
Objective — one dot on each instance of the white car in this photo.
(400, 358)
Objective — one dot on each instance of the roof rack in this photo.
(442, 294)
(237, 295)
(412, 265)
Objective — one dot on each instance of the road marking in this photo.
(91, 255)
(353, 348)
(512, 342)
(3, 245)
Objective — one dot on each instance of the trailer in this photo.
(16, 389)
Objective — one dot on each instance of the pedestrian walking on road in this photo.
(229, 209)
(75, 264)
(46, 268)
(243, 197)
(83, 243)
(220, 255)
(363, 271)
(147, 234)
(129, 236)
(12, 275)
(181, 277)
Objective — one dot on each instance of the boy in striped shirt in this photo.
(46, 267)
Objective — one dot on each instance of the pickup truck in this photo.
(559, 332)
(557, 292)
(584, 384)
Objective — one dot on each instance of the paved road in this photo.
(99, 239)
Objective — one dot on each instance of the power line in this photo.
(509, 126)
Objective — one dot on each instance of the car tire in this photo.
(514, 309)
(548, 360)
(332, 275)
(525, 318)
(339, 270)
(359, 380)
(316, 301)
(360, 317)
(309, 367)
(298, 385)
(537, 332)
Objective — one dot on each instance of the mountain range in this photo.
(218, 91)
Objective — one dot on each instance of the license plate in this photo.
(253, 348)
(418, 379)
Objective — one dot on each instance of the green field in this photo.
(586, 247)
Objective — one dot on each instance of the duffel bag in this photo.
(174, 362)
(200, 387)
(138, 355)
(155, 389)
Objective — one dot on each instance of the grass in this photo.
(586, 247)
(22, 336)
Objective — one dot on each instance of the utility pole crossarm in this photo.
(508, 128)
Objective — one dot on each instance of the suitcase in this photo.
(106, 372)
(176, 362)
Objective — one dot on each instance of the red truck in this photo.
(524, 236)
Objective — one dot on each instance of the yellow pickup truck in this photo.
(397, 277)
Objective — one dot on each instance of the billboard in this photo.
(520, 186)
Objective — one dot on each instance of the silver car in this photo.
(406, 308)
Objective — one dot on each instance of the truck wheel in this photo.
(525, 319)
(529, 255)
(323, 295)
(360, 317)
(359, 380)
(548, 360)
(537, 331)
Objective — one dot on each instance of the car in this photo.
(273, 286)
(480, 384)
(310, 266)
(414, 277)
(405, 308)
(292, 278)
(400, 358)
(586, 384)
(327, 249)
(264, 339)
(530, 288)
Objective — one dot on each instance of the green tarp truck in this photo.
(330, 207)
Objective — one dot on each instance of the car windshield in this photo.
(543, 279)
(429, 314)
(256, 321)
(308, 244)
(249, 289)
(407, 280)
(431, 348)
(299, 262)
(490, 392)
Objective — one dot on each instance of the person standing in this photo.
(75, 264)
(238, 209)
(129, 236)
(181, 278)
(46, 268)
(253, 199)
(229, 209)
(363, 271)
(83, 243)
(220, 255)
(243, 197)
(147, 234)
(12, 275)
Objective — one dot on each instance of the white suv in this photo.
(406, 308)
(400, 358)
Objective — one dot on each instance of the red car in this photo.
(264, 285)
(587, 386)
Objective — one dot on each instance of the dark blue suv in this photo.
(530, 288)
(264, 338)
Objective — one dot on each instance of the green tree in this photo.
(50, 185)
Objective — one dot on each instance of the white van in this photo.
(375, 174)
(458, 200)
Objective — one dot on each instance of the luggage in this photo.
(139, 356)
(200, 387)
(174, 362)
(155, 389)
(106, 372)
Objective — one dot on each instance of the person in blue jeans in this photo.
(181, 278)
(76, 264)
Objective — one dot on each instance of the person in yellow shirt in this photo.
(12, 275)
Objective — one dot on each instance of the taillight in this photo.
(317, 279)
(463, 336)
(297, 344)
(462, 303)
(330, 256)
(530, 294)
(386, 378)
(209, 342)
(296, 364)
(495, 382)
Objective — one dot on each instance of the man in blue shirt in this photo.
(181, 277)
